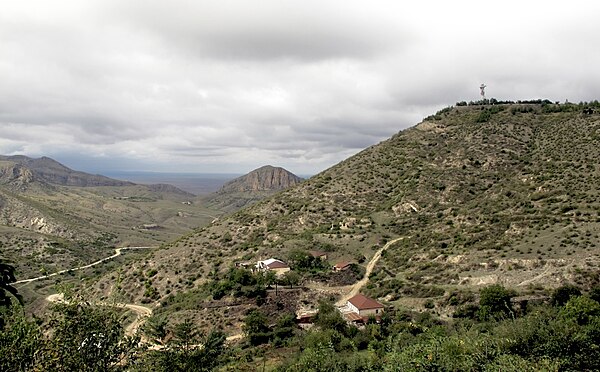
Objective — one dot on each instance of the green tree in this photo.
(256, 327)
(21, 342)
(562, 295)
(7, 277)
(86, 338)
(284, 328)
(292, 278)
(581, 309)
(494, 302)
(204, 355)
(155, 328)
(329, 317)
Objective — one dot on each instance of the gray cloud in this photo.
(232, 85)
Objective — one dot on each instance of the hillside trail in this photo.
(142, 312)
(118, 252)
(356, 287)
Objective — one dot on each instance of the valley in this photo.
(478, 198)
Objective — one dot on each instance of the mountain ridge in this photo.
(482, 194)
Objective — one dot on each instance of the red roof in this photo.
(362, 302)
(342, 265)
(277, 265)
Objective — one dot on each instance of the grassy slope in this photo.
(514, 200)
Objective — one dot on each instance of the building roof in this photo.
(273, 263)
(341, 265)
(362, 302)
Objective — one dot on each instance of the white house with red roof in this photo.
(364, 306)
(273, 264)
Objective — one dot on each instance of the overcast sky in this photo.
(228, 86)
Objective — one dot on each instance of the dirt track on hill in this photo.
(118, 252)
(356, 287)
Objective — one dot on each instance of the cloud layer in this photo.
(232, 85)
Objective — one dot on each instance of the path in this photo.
(356, 287)
(118, 252)
(142, 312)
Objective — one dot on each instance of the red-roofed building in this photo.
(273, 264)
(341, 266)
(364, 306)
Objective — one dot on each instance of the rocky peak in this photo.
(267, 178)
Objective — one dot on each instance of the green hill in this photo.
(481, 194)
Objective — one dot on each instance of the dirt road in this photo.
(356, 287)
(118, 252)
(142, 312)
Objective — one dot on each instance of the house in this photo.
(319, 254)
(341, 266)
(273, 264)
(364, 306)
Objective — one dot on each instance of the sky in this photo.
(228, 86)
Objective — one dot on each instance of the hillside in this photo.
(252, 187)
(507, 194)
(53, 218)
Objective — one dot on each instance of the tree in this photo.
(185, 335)
(7, 277)
(581, 309)
(86, 338)
(562, 295)
(203, 355)
(284, 328)
(21, 341)
(329, 317)
(155, 328)
(255, 327)
(292, 278)
(494, 302)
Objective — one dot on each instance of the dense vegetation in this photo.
(563, 334)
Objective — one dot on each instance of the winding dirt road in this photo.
(356, 287)
(118, 252)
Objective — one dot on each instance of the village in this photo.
(357, 310)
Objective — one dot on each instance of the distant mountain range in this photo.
(23, 170)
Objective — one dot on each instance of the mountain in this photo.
(50, 171)
(508, 193)
(53, 217)
(252, 187)
(267, 178)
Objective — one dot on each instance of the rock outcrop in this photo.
(267, 178)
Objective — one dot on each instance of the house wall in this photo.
(281, 271)
(367, 312)
(353, 308)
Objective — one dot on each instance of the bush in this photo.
(494, 302)
(562, 295)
